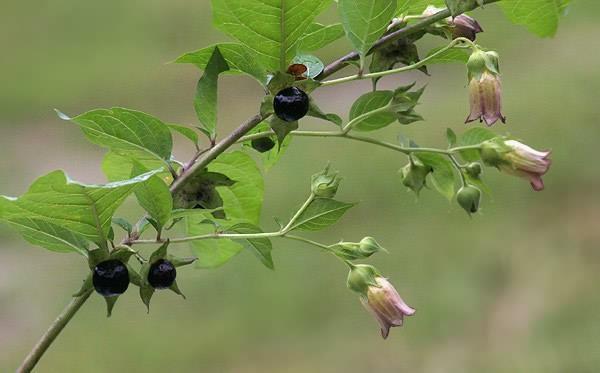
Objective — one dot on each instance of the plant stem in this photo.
(414, 66)
(204, 158)
(403, 32)
(53, 331)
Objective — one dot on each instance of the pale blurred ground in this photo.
(512, 290)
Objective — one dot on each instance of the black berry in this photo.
(263, 145)
(291, 104)
(110, 278)
(162, 274)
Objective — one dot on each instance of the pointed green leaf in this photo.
(368, 103)
(318, 36)
(443, 175)
(449, 56)
(321, 213)
(211, 253)
(474, 136)
(118, 167)
(261, 247)
(242, 200)
(271, 29)
(539, 16)
(186, 132)
(365, 21)
(417, 6)
(42, 233)
(154, 196)
(128, 132)
(239, 58)
(315, 111)
(84, 210)
(205, 102)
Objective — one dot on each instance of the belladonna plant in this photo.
(213, 201)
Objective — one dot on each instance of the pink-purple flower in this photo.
(526, 162)
(379, 296)
(386, 305)
(516, 158)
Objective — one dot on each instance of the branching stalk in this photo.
(202, 159)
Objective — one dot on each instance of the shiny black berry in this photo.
(291, 104)
(162, 274)
(263, 145)
(110, 278)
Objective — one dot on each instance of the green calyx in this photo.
(362, 276)
(493, 152)
(324, 184)
(481, 62)
(414, 175)
(356, 250)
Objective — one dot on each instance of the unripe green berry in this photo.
(468, 198)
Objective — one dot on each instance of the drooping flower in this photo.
(466, 27)
(485, 88)
(459, 26)
(380, 297)
(516, 158)
(524, 161)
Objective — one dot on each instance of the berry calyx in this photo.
(263, 145)
(162, 274)
(291, 104)
(110, 278)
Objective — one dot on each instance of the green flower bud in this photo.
(468, 198)
(414, 175)
(474, 170)
(361, 277)
(324, 185)
(353, 251)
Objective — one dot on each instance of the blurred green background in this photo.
(512, 290)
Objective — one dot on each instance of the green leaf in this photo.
(457, 7)
(474, 136)
(271, 29)
(402, 51)
(186, 132)
(318, 36)
(443, 175)
(44, 234)
(205, 102)
(242, 200)
(214, 252)
(239, 58)
(321, 213)
(282, 128)
(417, 6)
(539, 16)
(315, 111)
(313, 64)
(368, 103)
(451, 136)
(273, 156)
(154, 196)
(118, 167)
(261, 247)
(126, 132)
(55, 205)
(449, 56)
(365, 21)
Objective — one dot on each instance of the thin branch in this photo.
(55, 328)
(402, 33)
(207, 157)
